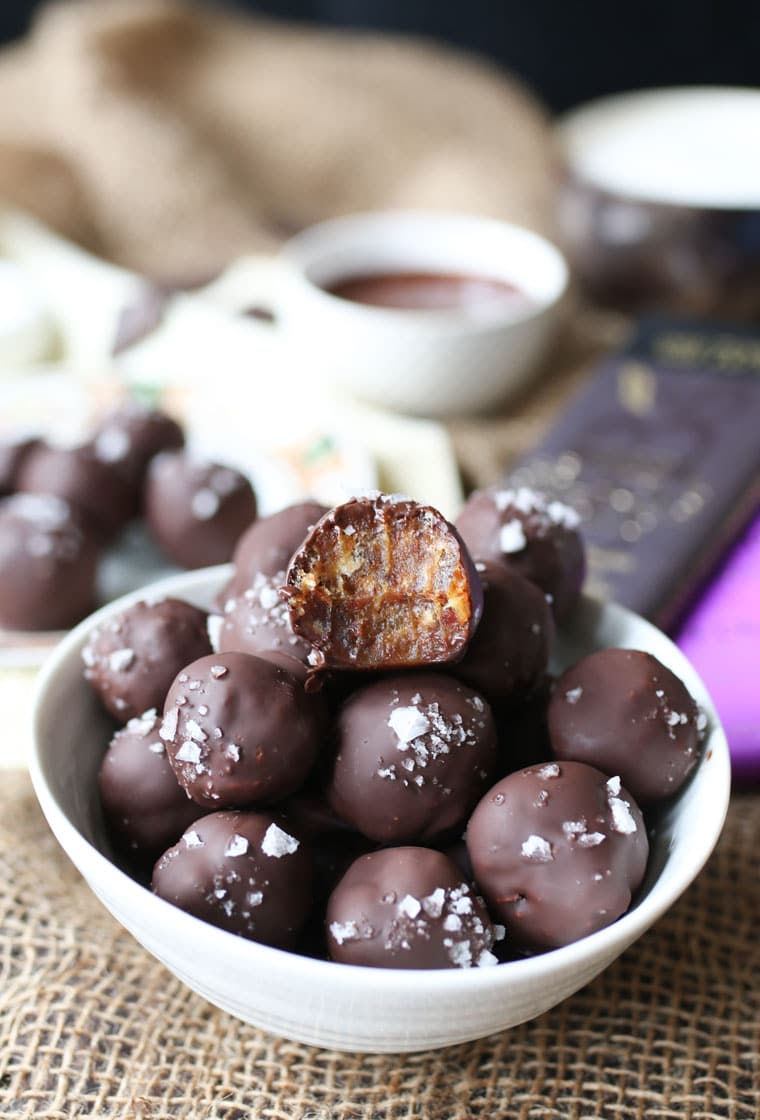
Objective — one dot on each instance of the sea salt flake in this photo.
(460, 954)
(236, 845)
(433, 903)
(195, 731)
(573, 695)
(204, 504)
(189, 752)
(410, 906)
(499, 932)
(622, 818)
(156, 748)
(591, 839)
(121, 660)
(408, 724)
(344, 931)
(218, 671)
(574, 828)
(512, 536)
(192, 839)
(538, 849)
(613, 786)
(487, 959)
(232, 750)
(254, 898)
(550, 770)
(452, 922)
(269, 598)
(278, 843)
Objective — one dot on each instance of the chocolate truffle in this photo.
(624, 712)
(48, 562)
(12, 455)
(415, 752)
(75, 474)
(132, 659)
(144, 807)
(258, 620)
(240, 730)
(268, 545)
(532, 534)
(509, 652)
(249, 873)
(133, 434)
(408, 908)
(384, 583)
(557, 850)
(196, 510)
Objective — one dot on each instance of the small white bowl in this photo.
(430, 363)
(341, 1006)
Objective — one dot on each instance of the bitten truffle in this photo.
(509, 652)
(624, 712)
(249, 873)
(415, 752)
(384, 583)
(533, 535)
(409, 908)
(144, 807)
(48, 561)
(196, 510)
(558, 851)
(131, 660)
(240, 730)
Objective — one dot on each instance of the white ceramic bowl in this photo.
(340, 1006)
(430, 363)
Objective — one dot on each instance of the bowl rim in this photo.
(296, 252)
(154, 912)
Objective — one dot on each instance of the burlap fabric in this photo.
(171, 137)
(92, 1026)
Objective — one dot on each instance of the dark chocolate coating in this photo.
(522, 729)
(534, 535)
(268, 545)
(48, 563)
(557, 850)
(144, 807)
(258, 620)
(132, 434)
(624, 712)
(196, 510)
(416, 778)
(408, 908)
(240, 730)
(94, 488)
(12, 455)
(509, 652)
(249, 873)
(132, 659)
(384, 583)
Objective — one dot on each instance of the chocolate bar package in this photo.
(660, 455)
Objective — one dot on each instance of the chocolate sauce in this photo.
(428, 291)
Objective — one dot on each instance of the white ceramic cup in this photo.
(430, 363)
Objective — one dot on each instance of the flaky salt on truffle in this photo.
(531, 533)
(409, 908)
(249, 873)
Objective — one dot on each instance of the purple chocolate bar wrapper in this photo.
(721, 638)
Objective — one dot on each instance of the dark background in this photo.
(567, 50)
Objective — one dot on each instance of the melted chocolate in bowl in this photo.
(431, 291)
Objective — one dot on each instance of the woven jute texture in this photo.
(91, 1026)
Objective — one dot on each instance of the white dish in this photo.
(332, 1005)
